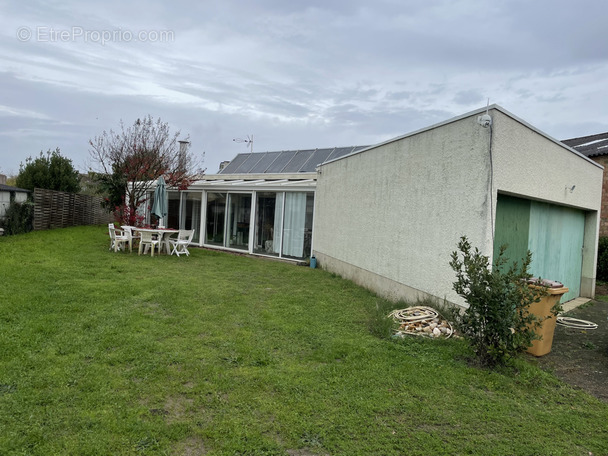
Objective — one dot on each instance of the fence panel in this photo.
(53, 209)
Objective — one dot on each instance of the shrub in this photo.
(18, 218)
(497, 323)
(51, 171)
(602, 259)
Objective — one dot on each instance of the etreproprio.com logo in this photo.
(46, 34)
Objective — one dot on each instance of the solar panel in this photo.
(265, 162)
(234, 164)
(249, 163)
(318, 157)
(287, 161)
(281, 161)
(298, 161)
(340, 152)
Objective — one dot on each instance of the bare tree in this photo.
(131, 160)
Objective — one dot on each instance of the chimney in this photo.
(2, 179)
(183, 150)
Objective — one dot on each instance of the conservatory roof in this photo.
(257, 182)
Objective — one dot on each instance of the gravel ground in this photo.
(580, 357)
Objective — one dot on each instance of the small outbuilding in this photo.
(389, 216)
(9, 193)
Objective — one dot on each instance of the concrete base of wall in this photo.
(587, 287)
(384, 287)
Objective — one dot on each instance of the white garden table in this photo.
(163, 235)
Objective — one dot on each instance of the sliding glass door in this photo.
(297, 224)
(282, 222)
(173, 212)
(269, 222)
(216, 213)
(239, 214)
(191, 213)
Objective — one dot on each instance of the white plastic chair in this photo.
(117, 238)
(148, 240)
(132, 237)
(181, 243)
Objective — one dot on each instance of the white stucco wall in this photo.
(5, 200)
(388, 218)
(529, 165)
(396, 212)
(20, 197)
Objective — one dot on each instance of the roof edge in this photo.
(10, 188)
(495, 107)
(549, 137)
(258, 176)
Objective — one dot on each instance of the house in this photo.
(259, 203)
(9, 193)
(389, 216)
(596, 148)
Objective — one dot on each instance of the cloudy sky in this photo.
(294, 74)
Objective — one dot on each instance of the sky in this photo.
(292, 74)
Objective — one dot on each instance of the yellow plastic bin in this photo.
(542, 309)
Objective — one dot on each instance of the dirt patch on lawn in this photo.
(580, 357)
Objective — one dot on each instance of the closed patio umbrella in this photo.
(161, 204)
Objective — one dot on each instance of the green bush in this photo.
(602, 259)
(50, 171)
(497, 323)
(18, 218)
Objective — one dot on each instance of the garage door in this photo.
(554, 235)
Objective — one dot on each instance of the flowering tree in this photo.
(131, 160)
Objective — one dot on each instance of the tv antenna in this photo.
(248, 140)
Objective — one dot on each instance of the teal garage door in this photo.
(554, 235)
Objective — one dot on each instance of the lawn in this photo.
(219, 354)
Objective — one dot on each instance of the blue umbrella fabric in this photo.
(161, 204)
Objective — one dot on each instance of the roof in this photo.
(9, 188)
(286, 161)
(590, 146)
(463, 116)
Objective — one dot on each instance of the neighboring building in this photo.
(388, 217)
(9, 193)
(596, 148)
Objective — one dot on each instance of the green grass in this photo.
(217, 354)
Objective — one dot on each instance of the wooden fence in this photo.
(53, 209)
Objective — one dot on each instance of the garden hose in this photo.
(415, 313)
(412, 320)
(575, 323)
